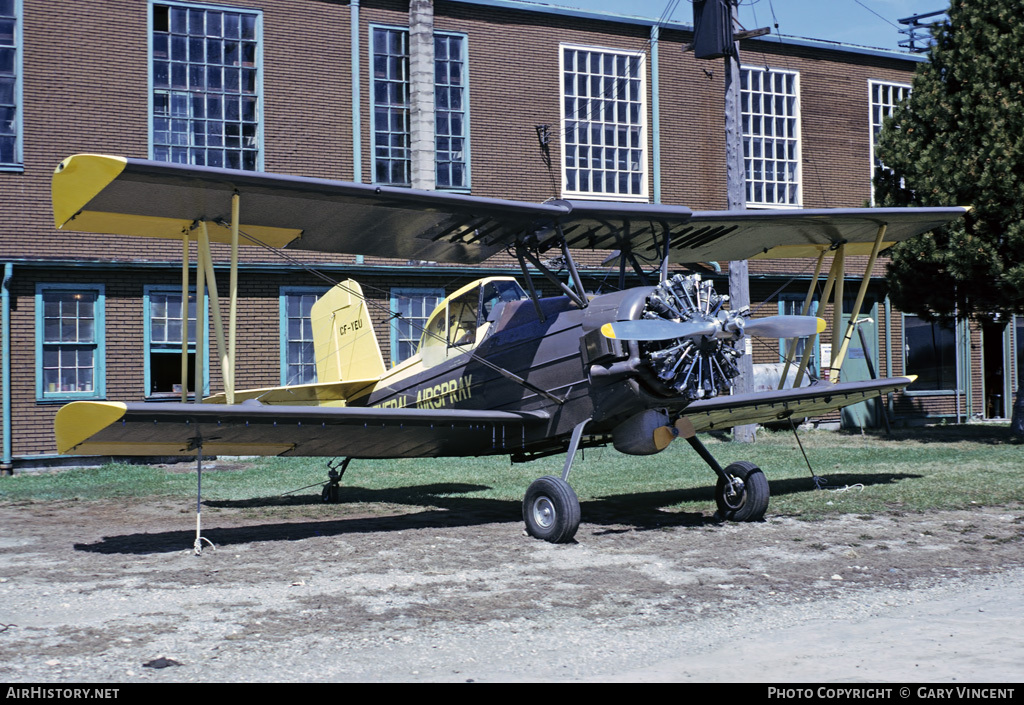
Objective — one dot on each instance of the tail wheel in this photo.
(551, 510)
(747, 499)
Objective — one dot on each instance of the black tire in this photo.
(551, 510)
(330, 494)
(751, 502)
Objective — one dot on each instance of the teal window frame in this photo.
(417, 322)
(1018, 353)
(97, 344)
(203, 110)
(793, 304)
(390, 109)
(11, 70)
(286, 328)
(172, 348)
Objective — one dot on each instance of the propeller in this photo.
(784, 326)
(652, 329)
(659, 329)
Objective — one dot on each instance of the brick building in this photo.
(334, 89)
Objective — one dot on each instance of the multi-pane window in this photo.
(206, 86)
(69, 323)
(9, 70)
(929, 349)
(450, 111)
(770, 100)
(298, 357)
(391, 106)
(884, 99)
(410, 309)
(166, 321)
(604, 120)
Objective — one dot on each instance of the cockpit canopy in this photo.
(463, 320)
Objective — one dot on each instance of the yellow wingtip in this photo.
(80, 420)
(80, 178)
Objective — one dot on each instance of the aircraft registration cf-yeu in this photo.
(499, 370)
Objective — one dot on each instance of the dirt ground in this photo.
(94, 591)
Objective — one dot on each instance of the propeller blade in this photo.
(784, 326)
(658, 329)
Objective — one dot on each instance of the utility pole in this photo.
(715, 36)
(736, 186)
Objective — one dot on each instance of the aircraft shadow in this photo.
(643, 511)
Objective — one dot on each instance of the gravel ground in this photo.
(94, 591)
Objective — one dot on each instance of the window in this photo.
(163, 330)
(69, 341)
(410, 309)
(10, 86)
(451, 111)
(206, 86)
(391, 126)
(604, 118)
(929, 349)
(793, 305)
(298, 356)
(770, 102)
(884, 99)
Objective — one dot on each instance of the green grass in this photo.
(941, 467)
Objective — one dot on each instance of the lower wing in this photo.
(765, 407)
(115, 428)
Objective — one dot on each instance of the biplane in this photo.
(500, 370)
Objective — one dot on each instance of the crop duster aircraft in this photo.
(499, 370)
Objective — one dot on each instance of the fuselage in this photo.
(558, 349)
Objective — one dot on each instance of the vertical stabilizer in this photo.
(343, 337)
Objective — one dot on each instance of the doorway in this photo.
(993, 347)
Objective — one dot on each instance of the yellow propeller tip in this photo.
(607, 330)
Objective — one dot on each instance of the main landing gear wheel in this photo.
(551, 510)
(748, 499)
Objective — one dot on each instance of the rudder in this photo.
(344, 341)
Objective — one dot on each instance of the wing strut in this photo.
(837, 363)
(834, 289)
(206, 282)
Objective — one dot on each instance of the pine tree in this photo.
(959, 140)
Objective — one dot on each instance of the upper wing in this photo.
(173, 428)
(721, 413)
(99, 193)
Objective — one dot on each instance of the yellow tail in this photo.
(343, 337)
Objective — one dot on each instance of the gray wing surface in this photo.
(174, 428)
